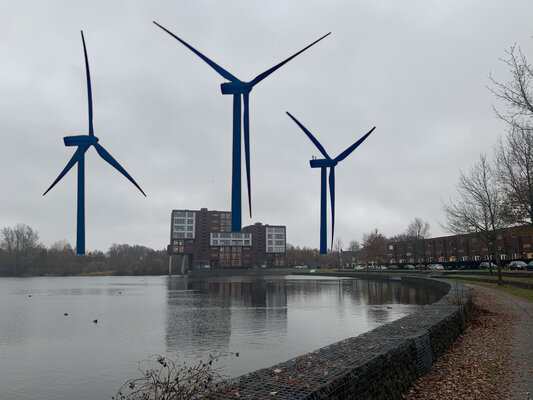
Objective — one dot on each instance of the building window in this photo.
(503, 256)
(183, 225)
(465, 258)
(477, 258)
(231, 239)
(275, 242)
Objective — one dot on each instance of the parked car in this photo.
(301, 267)
(530, 266)
(486, 265)
(517, 265)
(392, 266)
(409, 266)
(436, 266)
(420, 267)
(359, 268)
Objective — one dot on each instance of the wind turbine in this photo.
(84, 142)
(323, 164)
(237, 88)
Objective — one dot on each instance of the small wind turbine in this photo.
(84, 142)
(237, 88)
(323, 164)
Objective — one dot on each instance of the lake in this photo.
(46, 354)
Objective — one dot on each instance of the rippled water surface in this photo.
(45, 354)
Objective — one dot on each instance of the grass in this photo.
(494, 277)
(526, 294)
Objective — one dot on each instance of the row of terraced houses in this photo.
(514, 243)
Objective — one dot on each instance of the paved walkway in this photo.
(522, 387)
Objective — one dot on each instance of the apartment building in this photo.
(204, 240)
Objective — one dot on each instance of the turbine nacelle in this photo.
(323, 163)
(236, 87)
(80, 140)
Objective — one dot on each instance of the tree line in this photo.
(497, 191)
(373, 247)
(21, 254)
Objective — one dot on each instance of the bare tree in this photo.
(516, 93)
(374, 247)
(416, 232)
(479, 208)
(354, 246)
(514, 161)
(514, 153)
(400, 237)
(20, 244)
(337, 246)
(417, 229)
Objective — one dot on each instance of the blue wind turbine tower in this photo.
(324, 164)
(84, 142)
(237, 88)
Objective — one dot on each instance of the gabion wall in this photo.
(380, 364)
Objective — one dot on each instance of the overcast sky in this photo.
(417, 70)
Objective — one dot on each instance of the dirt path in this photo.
(492, 359)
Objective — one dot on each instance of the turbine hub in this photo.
(236, 87)
(80, 140)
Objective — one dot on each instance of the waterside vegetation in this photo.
(21, 254)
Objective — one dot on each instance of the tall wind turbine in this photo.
(84, 142)
(323, 164)
(237, 88)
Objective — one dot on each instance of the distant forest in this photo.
(21, 254)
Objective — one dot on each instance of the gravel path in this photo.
(492, 359)
(522, 351)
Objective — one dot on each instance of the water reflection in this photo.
(268, 320)
(202, 312)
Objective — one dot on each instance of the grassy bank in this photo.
(524, 293)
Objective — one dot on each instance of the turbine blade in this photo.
(310, 136)
(213, 65)
(75, 158)
(89, 91)
(347, 152)
(332, 198)
(247, 149)
(114, 163)
(262, 76)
